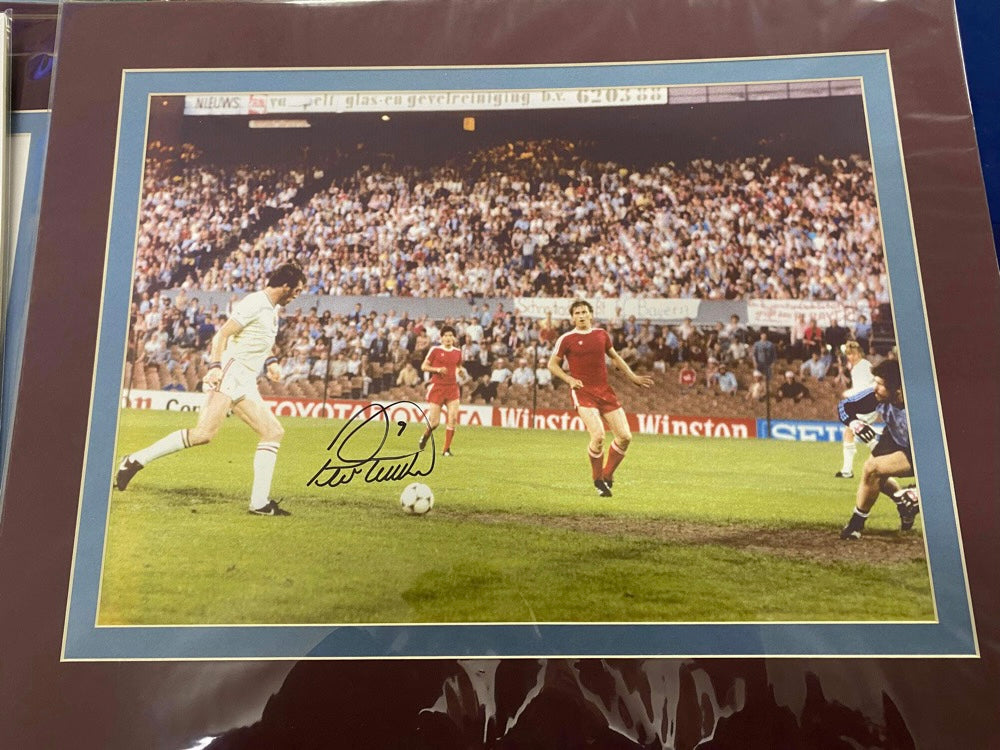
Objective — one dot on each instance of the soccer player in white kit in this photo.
(238, 352)
(861, 380)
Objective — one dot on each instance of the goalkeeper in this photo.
(890, 457)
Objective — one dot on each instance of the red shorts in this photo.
(443, 394)
(600, 397)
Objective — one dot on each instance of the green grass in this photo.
(698, 530)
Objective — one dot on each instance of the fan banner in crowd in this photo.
(643, 308)
(792, 312)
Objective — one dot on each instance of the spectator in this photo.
(815, 367)
(354, 363)
(155, 347)
(726, 381)
(835, 336)
(863, 333)
(629, 353)
(474, 331)
(408, 376)
(483, 389)
(687, 376)
(421, 345)
(792, 388)
(712, 373)
(378, 350)
(673, 346)
(736, 352)
(522, 375)
(660, 354)
(205, 332)
(686, 330)
(734, 331)
(485, 317)
(764, 353)
(357, 316)
(547, 330)
(367, 376)
(500, 375)
(812, 337)
(716, 341)
(796, 338)
(338, 366)
(320, 368)
(758, 388)
(296, 369)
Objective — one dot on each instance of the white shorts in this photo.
(239, 382)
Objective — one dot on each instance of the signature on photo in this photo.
(349, 461)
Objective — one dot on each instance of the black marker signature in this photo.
(343, 467)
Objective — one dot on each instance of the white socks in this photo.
(264, 459)
(849, 450)
(172, 443)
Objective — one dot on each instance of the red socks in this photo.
(596, 464)
(615, 456)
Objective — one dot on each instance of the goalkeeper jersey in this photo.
(894, 416)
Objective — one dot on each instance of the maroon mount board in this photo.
(81, 580)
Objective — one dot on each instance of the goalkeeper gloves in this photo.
(863, 430)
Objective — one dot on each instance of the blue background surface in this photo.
(979, 26)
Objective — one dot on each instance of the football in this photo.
(416, 499)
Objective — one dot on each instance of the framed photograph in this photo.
(417, 226)
(27, 158)
(32, 38)
(590, 352)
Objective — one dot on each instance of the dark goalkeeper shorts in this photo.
(886, 446)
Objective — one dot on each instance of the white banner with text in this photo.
(782, 313)
(652, 309)
(335, 102)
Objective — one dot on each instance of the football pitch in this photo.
(698, 530)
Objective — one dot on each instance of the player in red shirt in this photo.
(584, 350)
(444, 363)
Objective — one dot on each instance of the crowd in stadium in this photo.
(366, 354)
(523, 219)
(192, 213)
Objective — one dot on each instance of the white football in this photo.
(416, 499)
